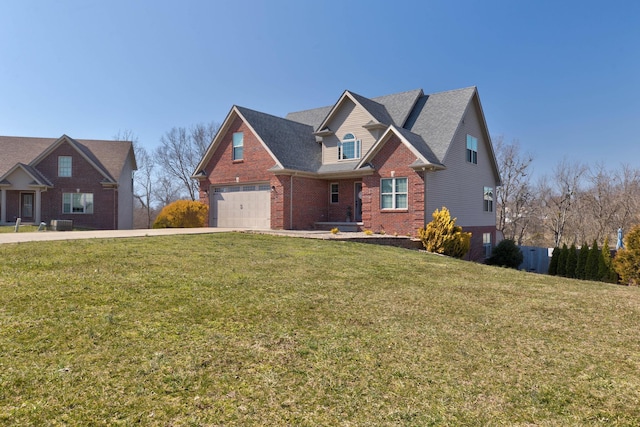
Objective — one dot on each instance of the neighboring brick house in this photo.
(383, 164)
(87, 181)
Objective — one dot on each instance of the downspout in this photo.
(115, 212)
(291, 204)
(424, 215)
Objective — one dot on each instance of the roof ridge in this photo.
(270, 115)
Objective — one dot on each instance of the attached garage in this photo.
(241, 206)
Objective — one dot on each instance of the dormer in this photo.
(351, 128)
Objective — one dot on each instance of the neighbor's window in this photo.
(334, 192)
(349, 147)
(472, 149)
(486, 243)
(77, 203)
(393, 193)
(238, 145)
(488, 199)
(64, 166)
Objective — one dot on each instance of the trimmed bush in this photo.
(442, 236)
(627, 260)
(506, 254)
(593, 262)
(562, 261)
(572, 261)
(582, 261)
(182, 214)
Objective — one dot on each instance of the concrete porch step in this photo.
(342, 226)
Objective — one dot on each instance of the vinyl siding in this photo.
(348, 119)
(460, 186)
(125, 196)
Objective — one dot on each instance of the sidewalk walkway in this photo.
(36, 236)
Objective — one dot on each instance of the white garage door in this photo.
(241, 206)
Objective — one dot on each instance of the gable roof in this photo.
(39, 179)
(415, 143)
(108, 157)
(426, 124)
(437, 117)
(291, 144)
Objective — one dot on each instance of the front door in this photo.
(358, 202)
(26, 207)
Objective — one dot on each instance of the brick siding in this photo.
(393, 159)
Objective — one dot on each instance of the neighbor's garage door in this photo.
(241, 206)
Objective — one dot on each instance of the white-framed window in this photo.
(393, 193)
(77, 203)
(486, 244)
(487, 199)
(64, 166)
(472, 149)
(334, 188)
(238, 145)
(349, 147)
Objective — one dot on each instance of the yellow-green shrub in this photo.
(627, 260)
(442, 236)
(182, 214)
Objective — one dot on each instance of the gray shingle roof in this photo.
(377, 110)
(437, 116)
(427, 122)
(312, 117)
(420, 145)
(109, 156)
(399, 105)
(293, 143)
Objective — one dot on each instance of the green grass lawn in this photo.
(21, 229)
(237, 329)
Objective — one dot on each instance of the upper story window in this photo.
(472, 149)
(488, 199)
(349, 147)
(393, 193)
(238, 145)
(64, 166)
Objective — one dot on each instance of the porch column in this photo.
(38, 206)
(3, 205)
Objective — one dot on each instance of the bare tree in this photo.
(166, 190)
(143, 179)
(515, 195)
(628, 197)
(559, 197)
(179, 153)
(144, 183)
(600, 202)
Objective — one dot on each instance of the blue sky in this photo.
(562, 77)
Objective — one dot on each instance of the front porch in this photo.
(25, 204)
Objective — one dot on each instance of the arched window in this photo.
(349, 147)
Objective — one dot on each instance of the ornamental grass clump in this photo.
(442, 236)
(182, 214)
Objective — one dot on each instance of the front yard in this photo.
(242, 329)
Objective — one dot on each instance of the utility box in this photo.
(61, 224)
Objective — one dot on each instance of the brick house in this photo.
(383, 164)
(87, 181)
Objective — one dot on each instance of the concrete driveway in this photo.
(36, 236)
